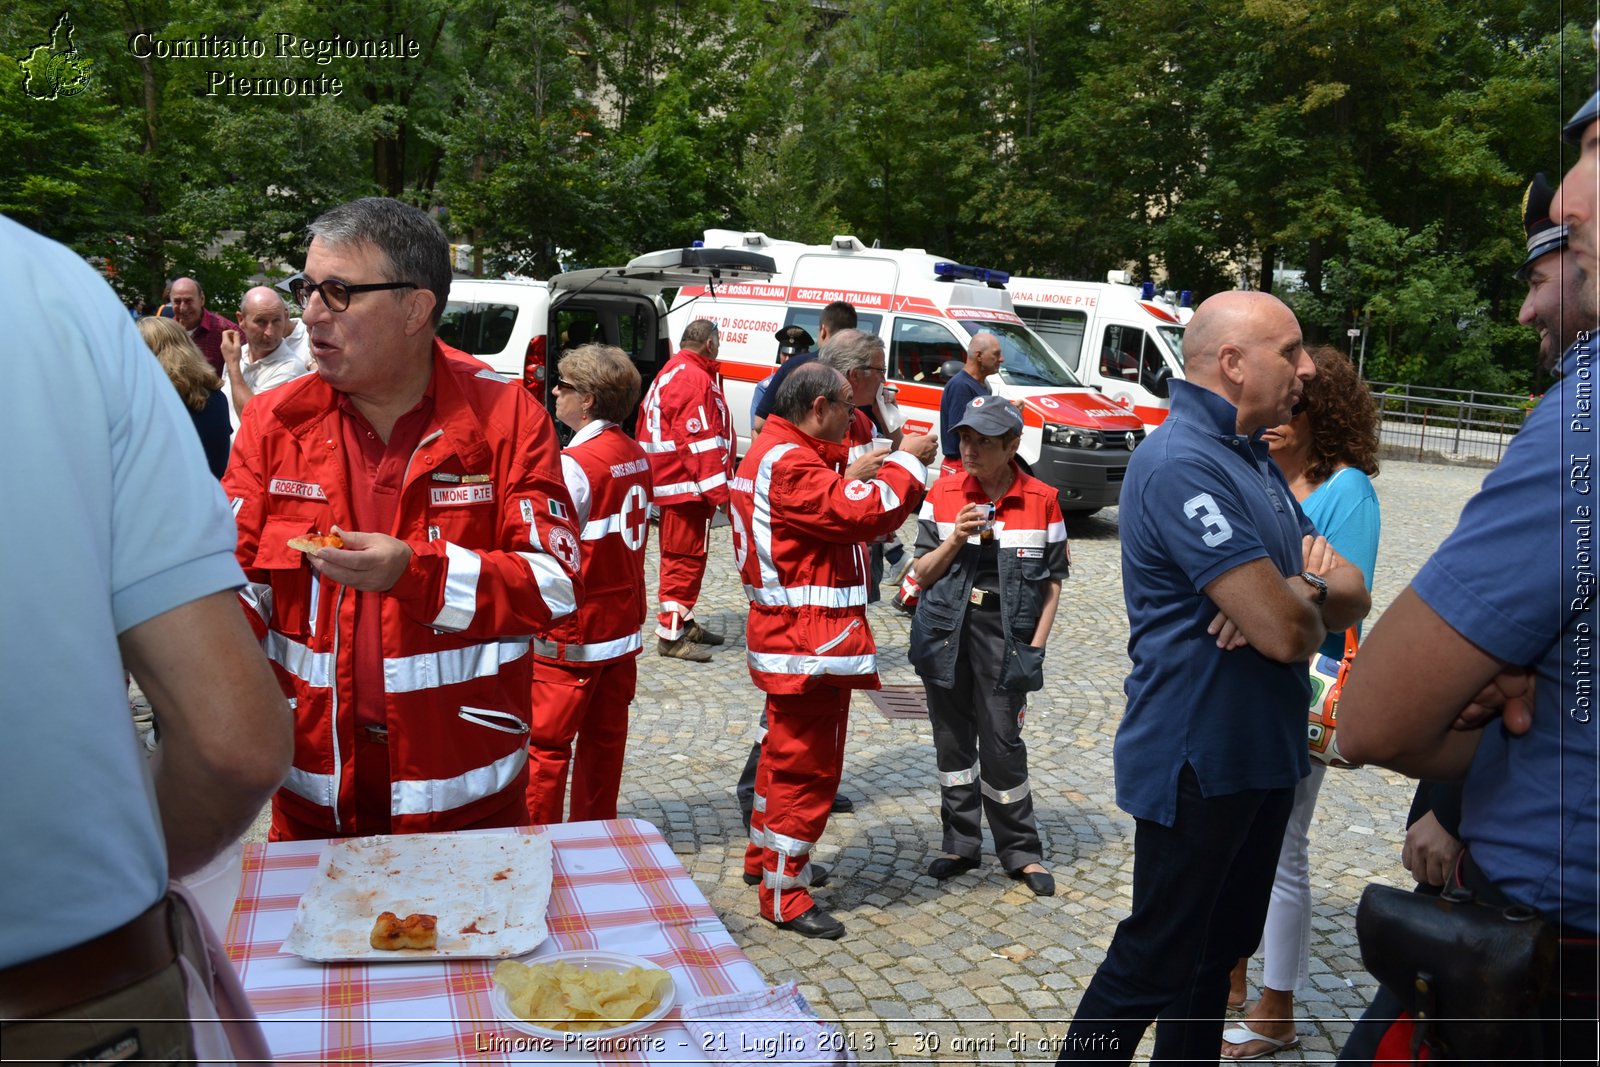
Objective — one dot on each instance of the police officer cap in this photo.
(793, 339)
(1544, 235)
(1572, 132)
(992, 416)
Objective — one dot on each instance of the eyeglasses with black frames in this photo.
(335, 293)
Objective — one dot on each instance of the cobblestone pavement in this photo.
(977, 969)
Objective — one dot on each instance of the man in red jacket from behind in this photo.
(684, 426)
(800, 530)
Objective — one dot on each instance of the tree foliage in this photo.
(1377, 149)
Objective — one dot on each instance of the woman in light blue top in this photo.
(1328, 453)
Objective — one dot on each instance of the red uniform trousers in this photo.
(802, 759)
(684, 530)
(589, 702)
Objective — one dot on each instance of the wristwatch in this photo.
(1316, 582)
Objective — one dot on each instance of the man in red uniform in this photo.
(799, 527)
(586, 667)
(685, 428)
(405, 650)
(861, 359)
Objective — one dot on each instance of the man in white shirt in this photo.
(272, 351)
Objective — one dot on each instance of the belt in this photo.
(113, 961)
(985, 599)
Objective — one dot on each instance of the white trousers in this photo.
(1286, 939)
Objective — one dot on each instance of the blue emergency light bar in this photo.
(1147, 290)
(1186, 298)
(953, 271)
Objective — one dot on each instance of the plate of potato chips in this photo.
(587, 991)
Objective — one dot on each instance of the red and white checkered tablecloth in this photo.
(617, 886)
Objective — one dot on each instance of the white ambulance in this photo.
(1123, 340)
(926, 309)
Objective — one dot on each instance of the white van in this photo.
(519, 326)
(926, 309)
(1123, 340)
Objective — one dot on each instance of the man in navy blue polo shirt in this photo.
(1506, 602)
(1229, 591)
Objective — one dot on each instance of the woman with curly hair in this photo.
(1328, 454)
(198, 386)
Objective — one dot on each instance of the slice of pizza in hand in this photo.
(313, 541)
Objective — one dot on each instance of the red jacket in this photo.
(798, 530)
(684, 426)
(485, 511)
(608, 475)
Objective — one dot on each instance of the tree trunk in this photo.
(152, 250)
(1314, 255)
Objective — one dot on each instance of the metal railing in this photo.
(1461, 425)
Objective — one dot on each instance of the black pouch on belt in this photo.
(1471, 975)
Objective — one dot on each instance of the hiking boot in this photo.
(693, 631)
(682, 648)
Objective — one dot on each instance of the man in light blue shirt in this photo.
(1507, 604)
(119, 550)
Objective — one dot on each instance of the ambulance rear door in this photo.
(623, 305)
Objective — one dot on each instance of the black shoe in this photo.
(945, 867)
(814, 922)
(1042, 884)
(842, 805)
(819, 876)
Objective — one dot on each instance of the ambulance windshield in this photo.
(1173, 335)
(1028, 360)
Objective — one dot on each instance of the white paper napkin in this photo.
(772, 1025)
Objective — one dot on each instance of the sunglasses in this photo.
(336, 294)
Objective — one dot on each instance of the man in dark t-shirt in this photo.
(983, 359)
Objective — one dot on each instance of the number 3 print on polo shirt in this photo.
(1203, 507)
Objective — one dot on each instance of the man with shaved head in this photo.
(272, 351)
(1229, 591)
(205, 327)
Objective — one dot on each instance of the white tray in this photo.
(589, 960)
(488, 891)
